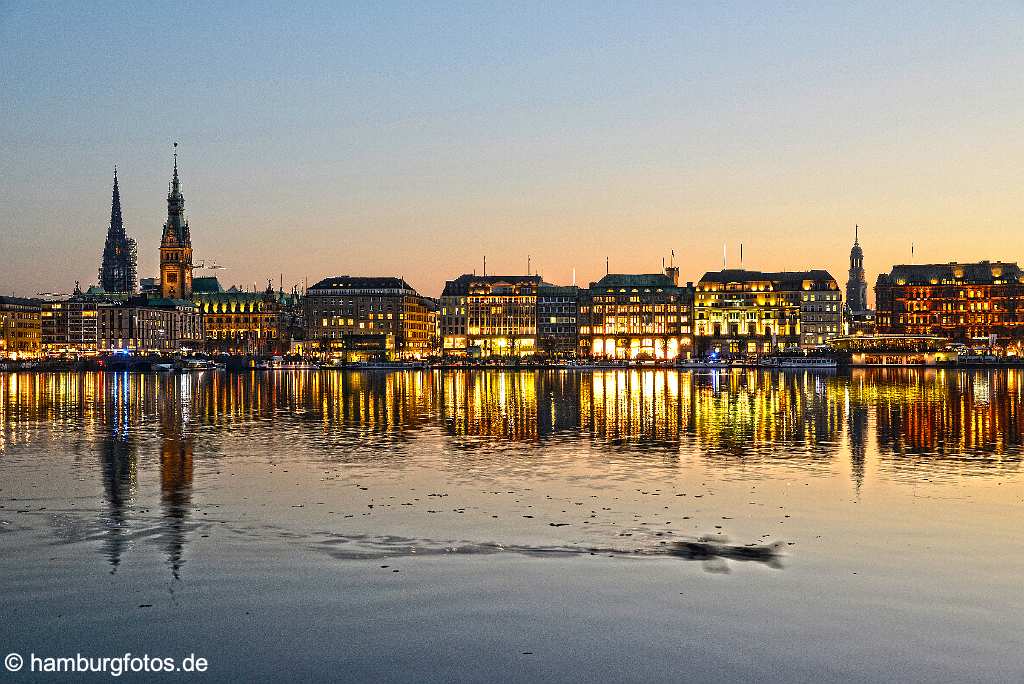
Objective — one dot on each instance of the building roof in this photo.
(20, 301)
(978, 273)
(346, 282)
(562, 290)
(460, 286)
(647, 280)
(781, 280)
(161, 303)
(205, 284)
(236, 295)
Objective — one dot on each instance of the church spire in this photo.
(856, 286)
(175, 183)
(176, 228)
(116, 222)
(119, 261)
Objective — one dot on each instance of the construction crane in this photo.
(214, 266)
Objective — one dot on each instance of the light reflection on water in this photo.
(204, 474)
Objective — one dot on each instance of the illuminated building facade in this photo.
(956, 301)
(250, 323)
(149, 326)
(745, 312)
(20, 328)
(642, 316)
(490, 315)
(176, 245)
(356, 317)
(71, 326)
(557, 327)
(118, 267)
(93, 322)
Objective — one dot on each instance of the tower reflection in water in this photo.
(895, 423)
(176, 455)
(119, 465)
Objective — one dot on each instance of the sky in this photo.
(414, 139)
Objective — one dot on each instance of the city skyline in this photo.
(574, 135)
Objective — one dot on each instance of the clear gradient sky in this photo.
(413, 139)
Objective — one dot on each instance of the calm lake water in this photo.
(496, 526)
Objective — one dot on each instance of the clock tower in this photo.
(176, 244)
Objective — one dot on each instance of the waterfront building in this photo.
(142, 325)
(250, 323)
(490, 315)
(94, 322)
(118, 267)
(20, 328)
(70, 327)
(637, 316)
(745, 312)
(557, 327)
(176, 245)
(356, 317)
(963, 302)
(893, 350)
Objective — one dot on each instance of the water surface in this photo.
(540, 526)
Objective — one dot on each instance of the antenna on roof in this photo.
(574, 275)
(911, 251)
(673, 262)
(527, 264)
(607, 268)
(724, 255)
(485, 264)
(856, 233)
(741, 255)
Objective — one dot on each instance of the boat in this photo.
(806, 362)
(198, 365)
(279, 363)
(163, 367)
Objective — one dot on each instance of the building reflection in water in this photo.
(751, 415)
(501, 404)
(894, 422)
(633, 407)
(946, 415)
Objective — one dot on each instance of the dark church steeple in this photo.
(176, 244)
(118, 267)
(857, 284)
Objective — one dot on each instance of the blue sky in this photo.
(415, 138)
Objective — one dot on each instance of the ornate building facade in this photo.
(644, 316)
(118, 268)
(248, 323)
(957, 301)
(490, 315)
(746, 312)
(176, 245)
